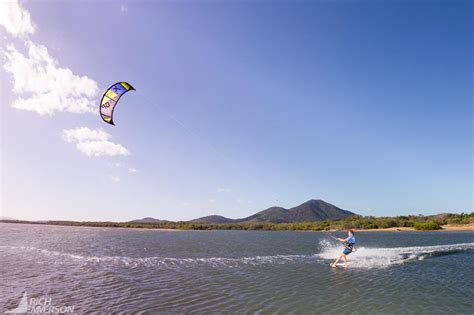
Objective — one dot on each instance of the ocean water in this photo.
(149, 271)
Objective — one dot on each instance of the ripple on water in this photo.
(379, 280)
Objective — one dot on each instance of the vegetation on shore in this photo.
(419, 222)
(427, 226)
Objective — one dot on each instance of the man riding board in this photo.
(348, 248)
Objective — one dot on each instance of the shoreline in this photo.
(444, 228)
(96, 227)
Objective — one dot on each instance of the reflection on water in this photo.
(234, 271)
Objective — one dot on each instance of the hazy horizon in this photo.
(239, 106)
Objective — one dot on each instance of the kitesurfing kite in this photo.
(111, 98)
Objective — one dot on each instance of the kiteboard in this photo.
(339, 265)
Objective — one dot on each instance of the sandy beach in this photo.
(445, 228)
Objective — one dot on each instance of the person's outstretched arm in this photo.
(344, 239)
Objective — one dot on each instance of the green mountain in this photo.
(312, 210)
(148, 220)
(212, 219)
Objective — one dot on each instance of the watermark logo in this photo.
(40, 305)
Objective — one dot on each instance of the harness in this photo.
(350, 246)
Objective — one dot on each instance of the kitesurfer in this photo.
(348, 248)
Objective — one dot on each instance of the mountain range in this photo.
(149, 220)
(312, 210)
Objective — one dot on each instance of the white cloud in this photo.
(101, 148)
(133, 170)
(223, 189)
(114, 178)
(123, 8)
(93, 142)
(44, 87)
(84, 134)
(212, 200)
(15, 19)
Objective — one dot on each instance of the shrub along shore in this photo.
(434, 222)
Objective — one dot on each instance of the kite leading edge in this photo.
(111, 98)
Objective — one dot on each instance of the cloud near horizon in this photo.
(93, 142)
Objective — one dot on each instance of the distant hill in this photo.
(273, 214)
(316, 210)
(7, 218)
(148, 220)
(212, 219)
(312, 210)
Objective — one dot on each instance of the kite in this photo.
(111, 98)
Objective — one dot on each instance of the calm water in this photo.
(121, 270)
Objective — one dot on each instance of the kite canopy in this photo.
(111, 98)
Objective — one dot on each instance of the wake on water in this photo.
(363, 258)
(374, 257)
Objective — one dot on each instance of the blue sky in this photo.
(239, 106)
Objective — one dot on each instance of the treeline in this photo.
(356, 222)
